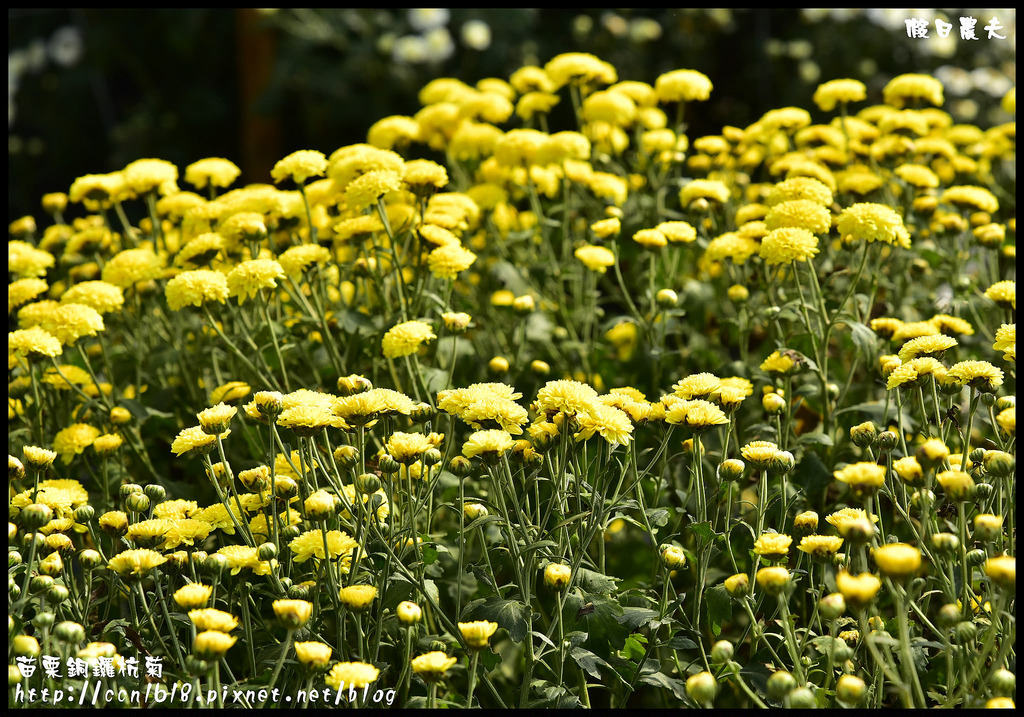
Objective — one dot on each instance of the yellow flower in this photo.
(195, 288)
(405, 339)
(70, 322)
(351, 674)
(759, 453)
(193, 596)
(872, 222)
(906, 87)
(293, 614)
(1003, 293)
(579, 68)
(300, 166)
(710, 189)
(773, 580)
(477, 634)
(357, 597)
(131, 266)
(314, 655)
(565, 396)
(136, 563)
(677, 231)
(774, 546)
(820, 546)
(213, 619)
(432, 665)
(34, 342)
(595, 258)
(365, 190)
(212, 171)
(789, 244)
(829, 94)
(394, 131)
(908, 469)
(972, 198)
(864, 478)
(248, 277)
(897, 560)
(446, 261)
(779, 362)
(311, 543)
(650, 238)
(1003, 571)
(1006, 341)
(22, 291)
(858, 590)
(99, 295)
(682, 86)
(212, 645)
(488, 443)
(612, 424)
(556, 575)
(696, 414)
(980, 375)
(957, 484)
(799, 213)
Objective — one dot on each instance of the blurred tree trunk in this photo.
(261, 133)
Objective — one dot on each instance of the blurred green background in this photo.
(92, 90)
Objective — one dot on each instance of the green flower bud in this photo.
(137, 503)
(863, 434)
(197, 666)
(267, 551)
(945, 543)
(965, 631)
(35, 516)
(702, 687)
(298, 592)
(13, 558)
(780, 684)
(155, 492)
(832, 606)
(850, 690)
(983, 490)
(44, 620)
(216, 564)
(388, 465)
(1003, 683)
(56, 594)
(40, 584)
(84, 513)
(721, 652)
(801, 699)
(431, 457)
(346, 456)
(949, 615)
(887, 440)
(731, 469)
(25, 646)
(290, 532)
(781, 463)
(367, 483)
(976, 557)
(460, 466)
(69, 632)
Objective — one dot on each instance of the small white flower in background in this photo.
(66, 46)
(439, 44)
(410, 50)
(476, 34)
(422, 19)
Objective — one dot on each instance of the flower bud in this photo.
(40, 584)
(557, 575)
(737, 585)
(460, 466)
(84, 513)
(976, 557)
(25, 646)
(965, 631)
(781, 463)
(802, 698)
(887, 440)
(702, 687)
(945, 543)
(863, 435)
(137, 503)
(498, 364)
(267, 551)
(1003, 683)
(780, 684)
(850, 690)
(51, 565)
(35, 516)
(773, 404)
(667, 298)
(541, 368)
(721, 652)
(982, 491)
(367, 483)
(388, 464)
(473, 511)
(431, 457)
(987, 527)
(346, 456)
(155, 492)
(731, 469)
(949, 615)
(832, 606)
(69, 632)
(44, 620)
(409, 612)
(672, 557)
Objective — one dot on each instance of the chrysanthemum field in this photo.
(493, 411)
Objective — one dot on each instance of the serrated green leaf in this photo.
(634, 617)
(719, 607)
(660, 679)
(588, 661)
(512, 615)
(634, 649)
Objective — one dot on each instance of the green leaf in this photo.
(512, 615)
(429, 553)
(816, 439)
(434, 379)
(681, 642)
(660, 679)
(634, 617)
(657, 517)
(588, 661)
(864, 338)
(594, 582)
(719, 607)
(702, 530)
(599, 619)
(634, 649)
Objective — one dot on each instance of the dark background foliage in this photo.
(92, 90)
